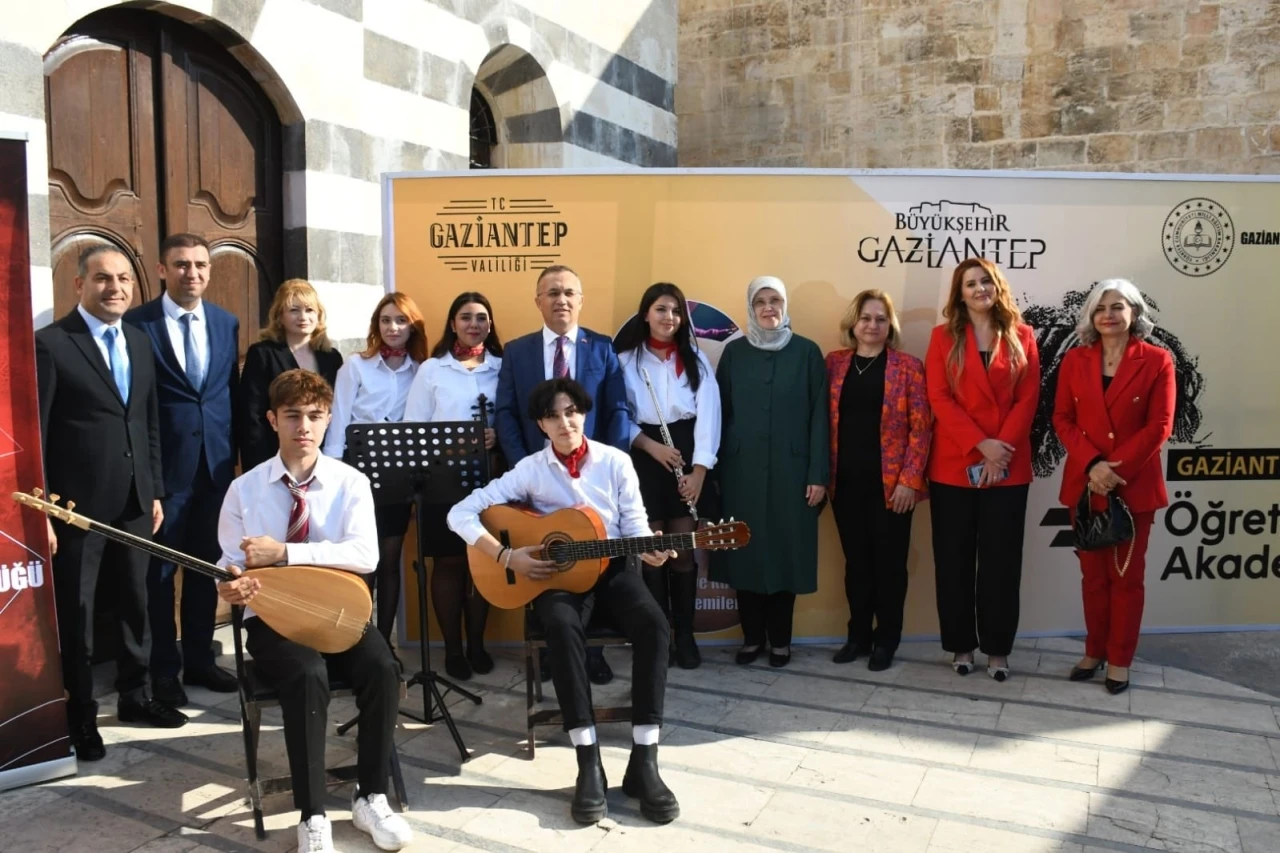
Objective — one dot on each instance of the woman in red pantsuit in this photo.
(1113, 412)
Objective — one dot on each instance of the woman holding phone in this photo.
(983, 375)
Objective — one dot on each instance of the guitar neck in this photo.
(157, 550)
(603, 549)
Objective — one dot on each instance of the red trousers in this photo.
(1113, 603)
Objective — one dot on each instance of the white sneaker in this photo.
(315, 835)
(373, 815)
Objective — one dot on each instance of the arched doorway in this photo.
(154, 129)
(484, 132)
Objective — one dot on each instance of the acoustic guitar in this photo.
(574, 539)
(324, 609)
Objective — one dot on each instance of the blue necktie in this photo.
(195, 372)
(118, 371)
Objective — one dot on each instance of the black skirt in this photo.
(658, 486)
(392, 519)
(437, 539)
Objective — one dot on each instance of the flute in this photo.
(666, 434)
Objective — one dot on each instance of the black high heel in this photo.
(1080, 673)
(962, 667)
(1115, 688)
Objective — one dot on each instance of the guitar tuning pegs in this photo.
(71, 505)
(53, 499)
(37, 492)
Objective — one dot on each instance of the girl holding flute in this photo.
(675, 404)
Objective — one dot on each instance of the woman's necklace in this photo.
(861, 370)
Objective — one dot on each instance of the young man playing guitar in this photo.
(574, 471)
(303, 508)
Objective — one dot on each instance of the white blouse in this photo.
(445, 390)
(367, 391)
(679, 401)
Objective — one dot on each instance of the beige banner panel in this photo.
(1205, 251)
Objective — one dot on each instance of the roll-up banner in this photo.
(1203, 249)
(34, 746)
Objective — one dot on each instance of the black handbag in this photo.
(1096, 531)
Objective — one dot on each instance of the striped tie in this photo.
(299, 516)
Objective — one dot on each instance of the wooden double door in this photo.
(155, 129)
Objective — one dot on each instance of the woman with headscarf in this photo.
(774, 465)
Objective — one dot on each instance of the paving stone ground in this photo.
(813, 757)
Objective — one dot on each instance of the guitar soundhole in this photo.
(558, 539)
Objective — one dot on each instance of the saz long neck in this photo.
(600, 549)
(157, 550)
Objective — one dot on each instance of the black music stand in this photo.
(427, 463)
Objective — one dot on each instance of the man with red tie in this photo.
(304, 508)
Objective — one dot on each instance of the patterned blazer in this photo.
(906, 423)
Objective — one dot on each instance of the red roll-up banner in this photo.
(34, 745)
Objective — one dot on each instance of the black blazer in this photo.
(264, 361)
(97, 451)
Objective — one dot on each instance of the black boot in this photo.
(655, 578)
(684, 593)
(589, 804)
(642, 781)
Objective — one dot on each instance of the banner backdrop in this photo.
(1204, 252)
(33, 726)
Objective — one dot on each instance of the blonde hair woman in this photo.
(295, 337)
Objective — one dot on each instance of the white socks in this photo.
(645, 735)
(585, 735)
(641, 735)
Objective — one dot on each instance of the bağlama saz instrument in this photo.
(324, 609)
(574, 540)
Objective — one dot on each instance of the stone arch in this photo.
(512, 78)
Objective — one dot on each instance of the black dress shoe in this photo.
(747, 655)
(598, 669)
(168, 689)
(1084, 673)
(87, 741)
(589, 805)
(849, 652)
(687, 654)
(480, 660)
(777, 660)
(642, 781)
(1115, 688)
(213, 678)
(881, 659)
(457, 667)
(152, 713)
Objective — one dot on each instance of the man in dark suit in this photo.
(562, 349)
(196, 347)
(100, 431)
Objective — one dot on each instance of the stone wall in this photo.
(1103, 85)
(365, 87)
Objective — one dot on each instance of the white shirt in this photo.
(607, 483)
(96, 328)
(445, 390)
(367, 392)
(199, 332)
(341, 530)
(549, 352)
(679, 401)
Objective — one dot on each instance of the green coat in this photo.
(774, 443)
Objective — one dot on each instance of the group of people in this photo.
(144, 411)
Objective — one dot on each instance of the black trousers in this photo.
(302, 675)
(621, 598)
(766, 616)
(977, 555)
(190, 525)
(81, 560)
(875, 541)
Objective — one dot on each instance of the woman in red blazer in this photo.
(1113, 412)
(880, 432)
(983, 375)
